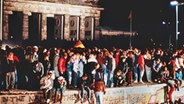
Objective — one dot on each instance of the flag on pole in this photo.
(79, 44)
(130, 15)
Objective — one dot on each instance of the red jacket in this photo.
(99, 86)
(141, 61)
(16, 59)
(62, 65)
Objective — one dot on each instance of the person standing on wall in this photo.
(8, 65)
(141, 66)
(62, 64)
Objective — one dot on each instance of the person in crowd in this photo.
(34, 55)
(27, 68)
(123, 66)
(172, 67)
(69, 68)
(141, 66)
(17, 65)
(47, 83)
(46, 62)
(164, 75)
(136, 53)
(84, 85)
(100, 60)
(119, 78)
(2, 71)
(82, 61)
(99, 90)
(157, 65)
(37, 68)
(110, 67)
(20, 72)
(90, 66)
(178, 61)
(173, 86)
(38, 72)
(55, 61)
(60, 88)
(28, 54)
(116, 56)
(157, 54)
(148, 65)
(130, 61)
(8, 65)
(75, 70)
(62, 64)
(181, 61)
(111, 79)
(179, 75)
(98, 72)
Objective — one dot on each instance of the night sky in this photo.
(147, 16)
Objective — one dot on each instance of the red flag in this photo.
(79, 45)
(130, 15)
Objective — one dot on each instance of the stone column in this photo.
(82, 28)
(78, 28)
(44, 27)
(5, 27)
(96, 32)
(92, 28)
(25, 34)
(62, 27)
(66, 27)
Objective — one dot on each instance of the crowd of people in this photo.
(57, 69)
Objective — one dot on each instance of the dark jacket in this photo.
(8, 65)
(83, 83)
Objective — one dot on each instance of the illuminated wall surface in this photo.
(142, 94)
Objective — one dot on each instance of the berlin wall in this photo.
(142, 94)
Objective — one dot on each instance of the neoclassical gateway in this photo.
(39, 20)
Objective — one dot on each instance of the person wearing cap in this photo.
(47, 83)
(60, 87)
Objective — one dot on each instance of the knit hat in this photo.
(60, 78)
(35, 47)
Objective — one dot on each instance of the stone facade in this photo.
(69, 15)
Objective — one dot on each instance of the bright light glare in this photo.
(174, 3)
(163, 23)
